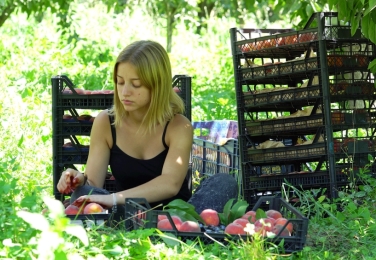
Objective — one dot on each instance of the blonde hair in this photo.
(153, 68)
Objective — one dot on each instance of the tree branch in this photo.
(7, 12)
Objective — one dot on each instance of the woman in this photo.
(144, 137)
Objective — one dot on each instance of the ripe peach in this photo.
(271, 213)
(235, 229)
(72, 210)
(79, 91)
(241, 221)
(265, 224)
(176, 89)
(160, 217)
(282, 222)
(93, 208)
(251, 216)
(285, 232)
(190, 226)
(165, 224)
(210, 217)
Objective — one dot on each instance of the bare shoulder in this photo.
(102, 119)
(181, 123)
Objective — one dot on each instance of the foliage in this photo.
(32, 50)
(233, 210)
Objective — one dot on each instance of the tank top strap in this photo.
(113, 130)
(164, 134)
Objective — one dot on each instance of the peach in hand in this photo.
(93, 208)
(72, 210)
(210, 217)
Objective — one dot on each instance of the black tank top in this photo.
(130, 172)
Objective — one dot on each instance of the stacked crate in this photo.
(71, 130)
(306, 105)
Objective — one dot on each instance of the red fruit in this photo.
(282, 222)
(210, 217)
(176, 89)
(242, 221)
(251, 216)
(164, 224)
(160, 217)
(80, 91)
(271, 213)
(265, 224)
(93, 208)
(235, 229)
(190, 226)
(72, 210)
(284, 231)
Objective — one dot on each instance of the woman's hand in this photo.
(104, 200)
(70, 179)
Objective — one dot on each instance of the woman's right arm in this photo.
(97, 163)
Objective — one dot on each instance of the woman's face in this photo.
(132, 94)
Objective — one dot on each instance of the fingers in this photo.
(81, 200)
(67, 181)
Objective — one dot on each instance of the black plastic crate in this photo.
(310, 152)
(209, 158)
(138, 215)
(105, 220)
(110, 185)
(184, 84)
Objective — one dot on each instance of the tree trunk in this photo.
(6, 13)
(204, 13)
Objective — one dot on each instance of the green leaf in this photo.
(365, 25)
(79, 232)
(343, 12)
(360, 194)
(371, 32)
(321, 198)
(180, 204)
(332, 4)
(364, 213)
(20, 141)
(260, 214)
(340, 216)
(36, 221)
(372, 67)
(371, 7)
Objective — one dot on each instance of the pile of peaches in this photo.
(81, 91)
(90, 208)
(274, 223)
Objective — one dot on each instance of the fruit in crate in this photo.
(84, 117)
(250, 216)
(282, 221)
(176, 89)
(189, 226)
(66, 116)
(235, 229)
(164, 224)
(93, 208)
(279, 230)
(210, 217)
(242, 221)
(264, 225)
(72, 210)
(271, 213)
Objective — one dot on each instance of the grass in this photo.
(31, 53)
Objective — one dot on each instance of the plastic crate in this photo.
(110, 185)
(306, 153)
(184, 84)
(100, 220)
(138, 215)
(209, 158)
